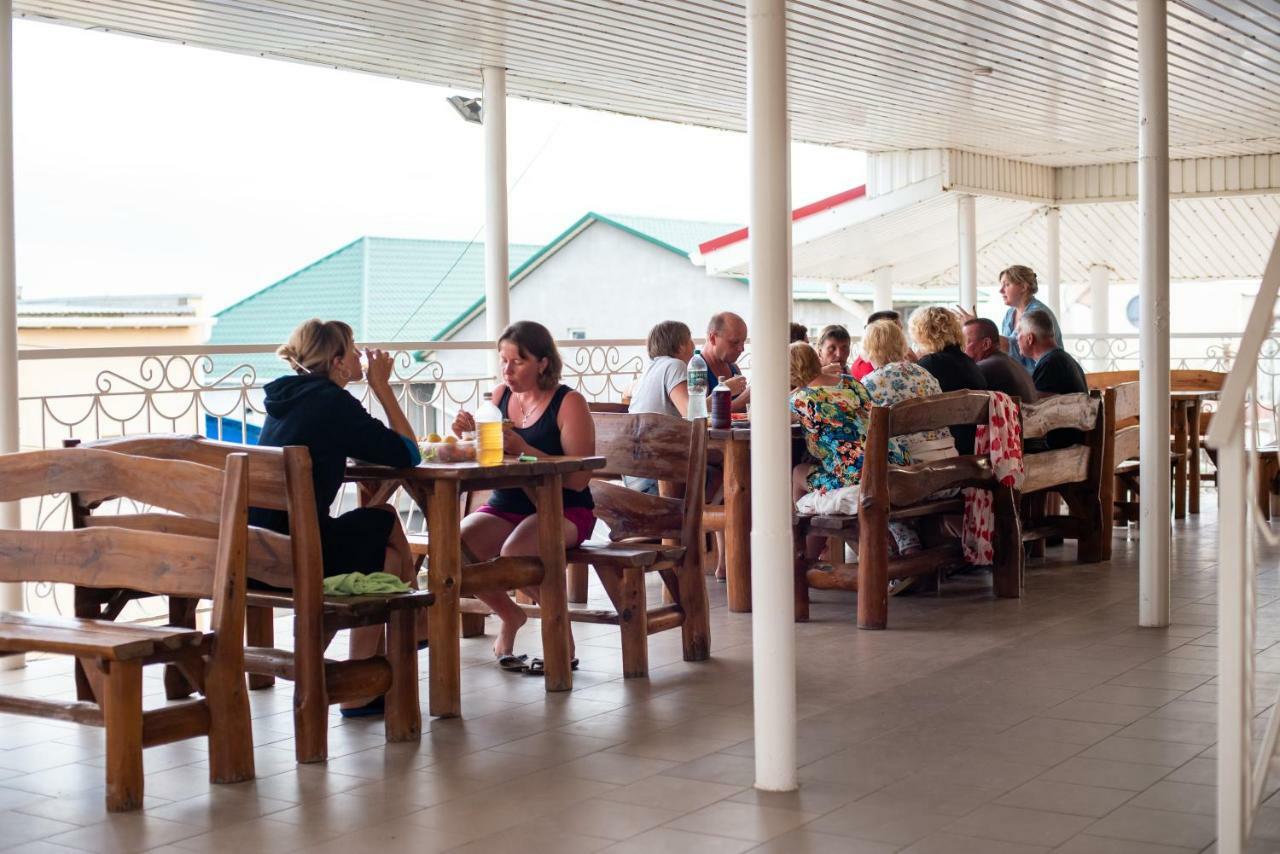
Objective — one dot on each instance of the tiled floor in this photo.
(972, 725)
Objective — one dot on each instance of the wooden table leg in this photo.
(1193, 458)
(553, 596)
(1179, 422)
(444, 579)
(737, 523)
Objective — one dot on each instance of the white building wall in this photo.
(607, 283)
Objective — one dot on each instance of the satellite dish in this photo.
(1132, 312)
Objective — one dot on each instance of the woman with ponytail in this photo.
(313, 408)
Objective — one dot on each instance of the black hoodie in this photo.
(312, 411)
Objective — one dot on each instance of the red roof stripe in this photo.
(799, 213)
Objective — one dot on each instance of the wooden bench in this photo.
(280, 479)
(908, 493)
(209, 564)
(1075, 473)
(650, 533)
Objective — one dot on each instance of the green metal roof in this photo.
(376, 283)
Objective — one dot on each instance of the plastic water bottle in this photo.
(697, 384)
(488, 433)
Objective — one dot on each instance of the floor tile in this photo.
(741, 821)
(1069, 798)
(1143, 751)
(900, 825)
(804, 841)
(672, 793)
(667, 840)
(1179, 797)
(949, 843)
(1130, 776)
(1159, 826)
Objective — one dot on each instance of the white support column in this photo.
(883, 281)
(497, 267)
(773, 619)
(968, 234)
(1053, 261)
(10, 514)
(1100, 301)
(1153, 279)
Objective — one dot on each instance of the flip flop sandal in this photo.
(375, 707)
(537, 667)
(512, 663)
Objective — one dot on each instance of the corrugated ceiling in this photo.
(865, 74)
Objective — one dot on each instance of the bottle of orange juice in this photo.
(488, 433)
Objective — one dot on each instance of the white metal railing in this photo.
(1235, 434)
(217, 390)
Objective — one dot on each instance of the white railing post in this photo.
(772, 627)
(1153, 273)
(10, 513)
(497, 266)
(1100, 302)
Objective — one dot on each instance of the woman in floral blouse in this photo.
(896, 379)
(834, 411)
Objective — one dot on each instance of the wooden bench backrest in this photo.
(1082, 463)
(175, 564)
(279, 479)
(1125, 405)
(601, 406)
(1179, 380)
(906, 485)
(662, 447)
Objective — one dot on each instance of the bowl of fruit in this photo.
(449, 449)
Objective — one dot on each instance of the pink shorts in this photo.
(584, 521)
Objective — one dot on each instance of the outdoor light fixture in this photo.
(468, 108)
(983, 71)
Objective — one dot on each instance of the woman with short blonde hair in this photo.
(934, 328)
(896, 379)
(940, 342)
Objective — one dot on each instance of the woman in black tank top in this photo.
(547, 419)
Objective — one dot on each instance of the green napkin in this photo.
(359, 584)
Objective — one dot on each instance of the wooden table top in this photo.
(1193, 395)
(471, 471)
(743, 432)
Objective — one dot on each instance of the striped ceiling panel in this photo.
(865, 74)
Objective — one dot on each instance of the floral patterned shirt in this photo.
(835, 420)
(899, 381)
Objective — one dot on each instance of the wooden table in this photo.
(735, 519)
(1184, 420)
(437, 490)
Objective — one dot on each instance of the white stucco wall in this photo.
(609, 284)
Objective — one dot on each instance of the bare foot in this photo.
(505, 643)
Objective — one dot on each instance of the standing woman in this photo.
(547, 419)
(314, 409)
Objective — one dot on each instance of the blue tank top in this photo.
(544, 435)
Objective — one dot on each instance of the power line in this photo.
(465, 249)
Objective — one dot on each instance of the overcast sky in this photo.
(150, 167)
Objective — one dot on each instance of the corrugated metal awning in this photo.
(1051, 83)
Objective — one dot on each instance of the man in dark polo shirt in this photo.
(1055, 372)
(982, 343)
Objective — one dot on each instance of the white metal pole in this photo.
(10, 514)
(883, 281)
(1153, 277)
(773, 620)
(1053, 261)
(968, 234)
(497, 269)
(1100, 298)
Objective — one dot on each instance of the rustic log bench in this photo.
(910, 493)
(209, 564)
(280, 479)
(1075, 473)
(650, 533)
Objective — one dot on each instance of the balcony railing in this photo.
(217, 391)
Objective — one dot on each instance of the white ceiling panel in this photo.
(865, 74)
